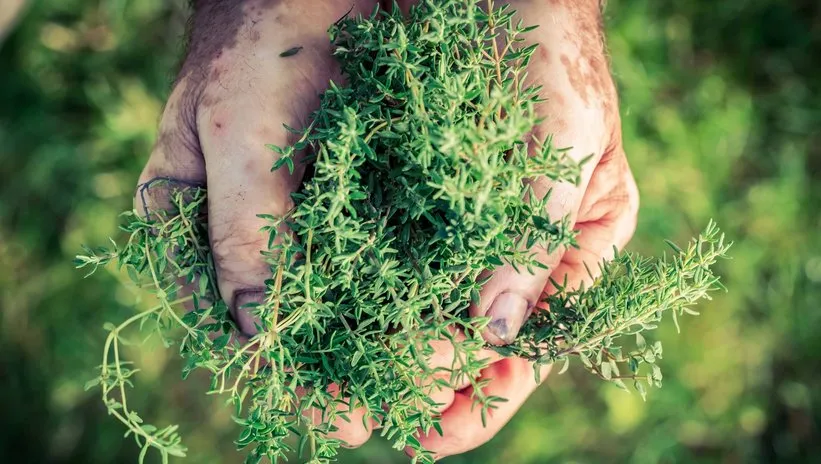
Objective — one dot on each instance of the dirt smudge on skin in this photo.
(544, 55)
(182, 154)
(576, 77)
(213, 29)
(589, 71)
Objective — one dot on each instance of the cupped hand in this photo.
(251, 66)
(580, 112)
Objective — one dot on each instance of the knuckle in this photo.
(180, 111)
(352, 439)
(237, 249)
(627, 221)
(632, 197)
(176, 153)
(459, 442)
(624, 194)
(354, 433)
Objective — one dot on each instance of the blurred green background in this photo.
(722, 119)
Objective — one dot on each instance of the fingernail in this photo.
(241, 309)
(507, 314)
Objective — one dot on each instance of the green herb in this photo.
(419, 185)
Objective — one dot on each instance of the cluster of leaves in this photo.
(419, 184)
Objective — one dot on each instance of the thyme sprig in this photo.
(419, 184)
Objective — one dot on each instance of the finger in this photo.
(462, 424)
(607, 221)
(352, 425)
(179, 155)
(253, 91)
(176, 158)
(575, 119)
(447, 367)
(511, 293)
(175, 164)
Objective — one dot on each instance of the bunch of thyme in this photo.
(418, 186)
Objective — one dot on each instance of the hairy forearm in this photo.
(213, 26)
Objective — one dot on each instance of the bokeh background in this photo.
(722, 119)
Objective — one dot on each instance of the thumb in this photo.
(510, 295)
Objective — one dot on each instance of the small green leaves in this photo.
(221, 341)
(91, 384)
(641, 344)
(632, 295)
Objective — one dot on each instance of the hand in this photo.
(231, 98)
(581, 112)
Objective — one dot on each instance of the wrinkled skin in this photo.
(234, 93)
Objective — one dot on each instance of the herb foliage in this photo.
(419, 184)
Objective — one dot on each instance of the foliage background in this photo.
(722, 119)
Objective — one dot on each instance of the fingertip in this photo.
(509, 297)
(354, 432)
(507, 313)
(411, 453)
(242, 307)
(353, 441)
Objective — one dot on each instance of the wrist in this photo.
(588, 7)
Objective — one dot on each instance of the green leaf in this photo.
(291, 51)
(565, 366)
(640, 388)
(91, 384)
(606, 371)
(221, 341)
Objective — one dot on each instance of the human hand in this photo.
(581, 111)
(251, 66)
(233, 95)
